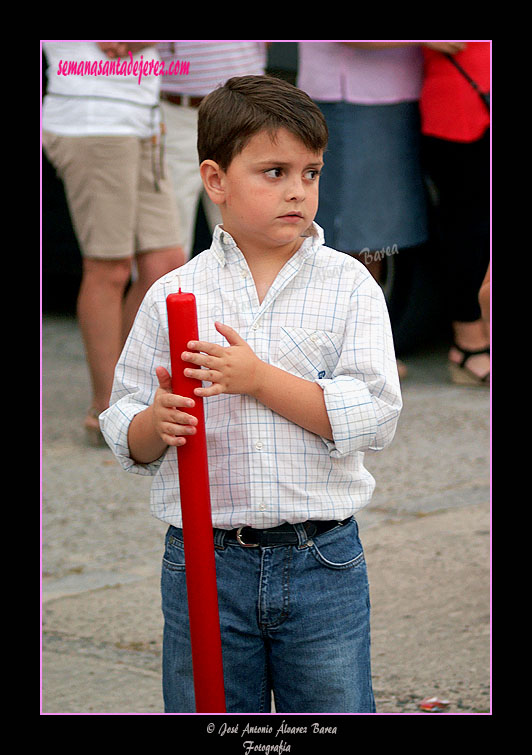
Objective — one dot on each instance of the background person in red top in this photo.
(455, 123)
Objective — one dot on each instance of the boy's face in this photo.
(270, 192)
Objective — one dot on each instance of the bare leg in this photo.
(150, 267)
(99, 310)
(105, 316)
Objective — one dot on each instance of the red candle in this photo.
(198, 538)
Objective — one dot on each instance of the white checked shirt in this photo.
(324, 319)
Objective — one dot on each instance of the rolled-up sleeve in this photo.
(363, 395)
(135, 383)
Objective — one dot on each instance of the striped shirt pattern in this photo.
(324, 319)
(210, 64)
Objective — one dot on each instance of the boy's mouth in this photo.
(292, 215)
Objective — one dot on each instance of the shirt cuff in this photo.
(359, 420)
(114, 423)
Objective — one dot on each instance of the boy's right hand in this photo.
(170, 422)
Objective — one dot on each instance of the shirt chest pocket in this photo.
(307, 353)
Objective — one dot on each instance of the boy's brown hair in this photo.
(229, 116)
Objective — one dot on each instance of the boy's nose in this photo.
(296, 190)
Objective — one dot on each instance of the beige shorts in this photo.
(115, 208)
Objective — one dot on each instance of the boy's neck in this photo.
(266, 264)
(258, 254)
(265, 268)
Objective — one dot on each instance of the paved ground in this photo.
(426, 537)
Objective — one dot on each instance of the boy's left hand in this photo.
(229, 369)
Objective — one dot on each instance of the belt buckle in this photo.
(241, 542)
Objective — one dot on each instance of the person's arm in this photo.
(298, 400)
(237, 369)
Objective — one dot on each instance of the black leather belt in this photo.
(284, 534)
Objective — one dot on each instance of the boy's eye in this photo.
(310, 174)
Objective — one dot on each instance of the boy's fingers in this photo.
(212, 390)
(205, 347)
(177, 430)
(165, 384)
(171, 401)
(173, 440)
(228, 333)
(231, 336)
(180, 418)
(163, 376)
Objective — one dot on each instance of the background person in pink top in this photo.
(378, 97)
(373, 195)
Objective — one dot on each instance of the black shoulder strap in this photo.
(484, 95)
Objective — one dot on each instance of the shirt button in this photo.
(258, 445)
(244, 273)
(262, 506)
(255, 326)
(314, 338)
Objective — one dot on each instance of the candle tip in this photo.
(179, 282)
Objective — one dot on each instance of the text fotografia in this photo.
(117, 67)
(279, 748)
(370, 257)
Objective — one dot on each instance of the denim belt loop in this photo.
(219, 537)
(302, 534)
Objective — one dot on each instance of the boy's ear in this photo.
(213, 180)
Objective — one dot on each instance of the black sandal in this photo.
(461, 375)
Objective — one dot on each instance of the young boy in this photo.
(296, 354)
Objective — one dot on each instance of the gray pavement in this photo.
(426, 536)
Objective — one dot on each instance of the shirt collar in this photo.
(223, 243)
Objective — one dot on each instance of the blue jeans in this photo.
(294, 619)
